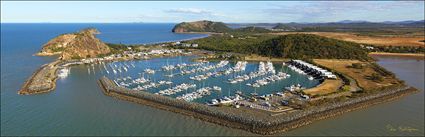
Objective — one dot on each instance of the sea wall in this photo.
(257, 124)
(330, 109)
(110, 88)
(42, 80)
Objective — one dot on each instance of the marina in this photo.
(179, 77)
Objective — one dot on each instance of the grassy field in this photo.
(363, 75)
(328, 86)
(381, 40)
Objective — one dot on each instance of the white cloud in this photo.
(329, 10)
(190, 11)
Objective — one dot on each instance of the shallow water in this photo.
(78, 107)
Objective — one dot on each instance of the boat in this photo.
(294, 87)
(225, 100)
(63, 73)
(150, 71)
(269, 79)
(213, 102)
(176, 89)
(195, 95)
(217, 88)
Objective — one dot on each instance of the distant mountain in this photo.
(218, 27)
(201, 26)
(344, 25)
(416, 23)
(403, 22)
(284, 27)
(347, 25)
(352, 21)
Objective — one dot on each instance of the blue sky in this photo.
(230, 12)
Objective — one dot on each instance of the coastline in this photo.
(47, 54)
(265, 126)
(188, 39)
(415, 55)
(209, 33)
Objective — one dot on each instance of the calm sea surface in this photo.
(78, 107)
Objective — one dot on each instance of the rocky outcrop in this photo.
(201, 26)
(78, 45)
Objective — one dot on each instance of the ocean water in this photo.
(78, 107)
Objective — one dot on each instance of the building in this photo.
(193, 45)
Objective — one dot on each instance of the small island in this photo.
(348, 77)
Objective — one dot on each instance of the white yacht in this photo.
(63, 73)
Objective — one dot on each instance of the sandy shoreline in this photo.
(410, 55)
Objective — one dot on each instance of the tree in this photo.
(376, 77)
(346, 88)
(357, 65)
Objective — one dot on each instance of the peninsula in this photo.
(200, 26)
(78, 45)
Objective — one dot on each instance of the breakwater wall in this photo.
(260, 124)
(42, 80)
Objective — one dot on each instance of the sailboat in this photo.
(93, 68)
(132, 64)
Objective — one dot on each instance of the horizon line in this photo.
(201, 20)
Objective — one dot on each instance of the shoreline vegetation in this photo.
(360, 81)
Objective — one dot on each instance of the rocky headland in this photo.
(201, 26)
(78, 45)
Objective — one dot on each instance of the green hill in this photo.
(310, 46)
(218, 27)
(296, 46)
(201, 26)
